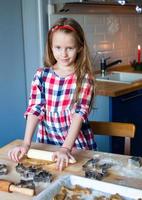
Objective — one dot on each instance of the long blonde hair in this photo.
(83, 63)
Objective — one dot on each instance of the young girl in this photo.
(61, 95)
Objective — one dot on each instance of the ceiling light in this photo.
(122, 2)
(139, 9)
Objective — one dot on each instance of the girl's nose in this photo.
(64, 52)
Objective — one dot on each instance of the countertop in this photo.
(117, 89)
(75, 169)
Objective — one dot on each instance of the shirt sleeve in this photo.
(37, 97)
(85, 97)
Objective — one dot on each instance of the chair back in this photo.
(126, 130)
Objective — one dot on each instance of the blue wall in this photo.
(12, 72)
(23, 27)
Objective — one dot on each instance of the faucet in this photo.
(104, 65)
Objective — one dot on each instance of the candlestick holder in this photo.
(137, 66)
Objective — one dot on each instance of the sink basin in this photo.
(120, 77)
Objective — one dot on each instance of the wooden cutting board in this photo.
(76, 169)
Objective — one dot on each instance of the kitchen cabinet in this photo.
(124, 108)
(124, 105)
(100, 112)
(127, 108)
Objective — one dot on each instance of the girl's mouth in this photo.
(64, 60)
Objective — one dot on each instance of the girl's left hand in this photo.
(62, 158)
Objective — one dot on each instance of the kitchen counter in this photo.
(75, 169)
(117, 89)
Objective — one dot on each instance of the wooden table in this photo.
(75, 169)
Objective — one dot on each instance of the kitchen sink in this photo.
(120, 77)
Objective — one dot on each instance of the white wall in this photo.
(35, 25)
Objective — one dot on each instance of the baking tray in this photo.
(99, 188)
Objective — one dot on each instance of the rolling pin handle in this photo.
(8, 186)
(26, 191)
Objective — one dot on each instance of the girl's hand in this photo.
(18, 152)
(62, 158)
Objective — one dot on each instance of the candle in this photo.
(139, 54)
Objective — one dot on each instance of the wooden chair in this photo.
(126, 130)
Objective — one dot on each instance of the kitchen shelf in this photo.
(84, 8)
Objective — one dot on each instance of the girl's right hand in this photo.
(18, 152)
(62, 158)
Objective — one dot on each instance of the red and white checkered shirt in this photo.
(51, 100)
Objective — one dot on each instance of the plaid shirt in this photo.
(51, 100)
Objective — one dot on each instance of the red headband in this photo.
(67, 27)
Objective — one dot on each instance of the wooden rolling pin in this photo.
(43, 155)
(8, 186)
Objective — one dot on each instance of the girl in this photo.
(61, 95)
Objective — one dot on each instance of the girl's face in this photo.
(64, 48)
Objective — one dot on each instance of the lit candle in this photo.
(139, 53)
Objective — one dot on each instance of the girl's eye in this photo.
(70, 48)
(58, 47)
